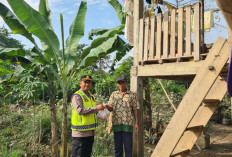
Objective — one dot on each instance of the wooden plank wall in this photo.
(171, 35)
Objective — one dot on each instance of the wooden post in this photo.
(197, 30)
(136, 82)
(202, 36)
(138, 138)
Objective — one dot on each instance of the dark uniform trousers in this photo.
(82, 146)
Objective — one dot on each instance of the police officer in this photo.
(84, 119)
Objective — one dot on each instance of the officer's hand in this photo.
(100, 107)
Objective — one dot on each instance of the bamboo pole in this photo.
(170, 101)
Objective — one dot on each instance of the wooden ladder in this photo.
(200, 101)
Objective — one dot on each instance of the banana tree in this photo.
(122, 18)
(61, 64)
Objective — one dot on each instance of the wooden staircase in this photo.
(198, 105)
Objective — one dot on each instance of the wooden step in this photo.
(190, 127)
(187, 140)
(213, 101)
(179, 151)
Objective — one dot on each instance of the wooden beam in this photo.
(159, 36)
(170, 101)
(180, 32)
(138, 14)
(146, 38)
(165, 36)
(136, 82)
(170, 69)
(173, 33)
(141, 39)
(153, 39)
(138, 138)
(197, 32)
(188, 32)
(202, 36)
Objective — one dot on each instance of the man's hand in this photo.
(136, 128)
(100, 107)
(109, 108)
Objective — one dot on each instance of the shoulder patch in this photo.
(78, 98)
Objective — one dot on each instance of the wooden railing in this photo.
(168, 36)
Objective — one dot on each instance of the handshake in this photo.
(102, 107)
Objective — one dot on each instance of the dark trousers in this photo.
(122, 138)
(82, 146)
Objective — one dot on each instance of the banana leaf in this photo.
(104, 37)
(14, 23)
(37, 24)
(120, 54)
(96, 32)
(45, 11)
(24, 62)
(36, 54)
(12, 52)
(76, 32)
(111, 45)
(118, 8)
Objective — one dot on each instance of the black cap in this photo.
(121, 78)
(86, 78)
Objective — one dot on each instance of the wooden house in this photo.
(163, 49)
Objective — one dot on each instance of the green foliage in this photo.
(21, 135)
(6, 68)
(5, 152)
(175, 90)
(22, 119)
(7, 41)
(124, 69)
(29, 87)
(223, 110)
(104, 142)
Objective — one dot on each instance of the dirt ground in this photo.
(220, 143)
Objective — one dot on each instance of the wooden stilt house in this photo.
(164, 49)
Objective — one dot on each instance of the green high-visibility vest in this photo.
(84, 122)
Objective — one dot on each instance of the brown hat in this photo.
(121, 78)
(86, 78)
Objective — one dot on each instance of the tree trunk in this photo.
(148, 111)
(63, 149)
(40, 119)
(64, 134)
(54, 142)
(33, 123)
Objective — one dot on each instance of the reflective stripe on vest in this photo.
(84, 127)
(84, 122)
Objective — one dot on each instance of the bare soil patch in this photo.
(220, 143)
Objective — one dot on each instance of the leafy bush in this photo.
(104, 142)
(5, 152)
